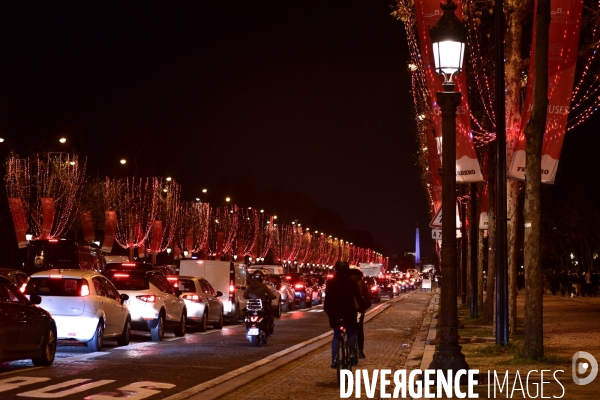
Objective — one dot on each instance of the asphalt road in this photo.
(146, 369)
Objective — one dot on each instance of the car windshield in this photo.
(54, 286)
(185, 285)
(10, 293)
(129, 282)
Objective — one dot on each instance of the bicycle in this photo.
(343, 359)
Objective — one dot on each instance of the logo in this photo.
(582, 367)
(38, 261)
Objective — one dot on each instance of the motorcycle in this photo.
(258, 324)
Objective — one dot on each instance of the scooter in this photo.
(258, 324)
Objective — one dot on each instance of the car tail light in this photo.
(55, 276)
(192, 297)
(128, 264)
(231, 288)
(374, 288)
(148, 298)
(121, 275)
(200, 262)
(299, 286)
(22, 288)
(85, 290)
(231, 291)
(254, 318)
(53, 240)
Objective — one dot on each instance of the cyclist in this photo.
(340, 296)
(357, 276)
(259, 290)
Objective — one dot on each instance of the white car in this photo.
(153, 302)
(201, 300)
(85, 305)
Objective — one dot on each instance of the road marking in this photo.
(83, 356)
(81, 387)
(20, 370)
(316, 310)
(135, 346)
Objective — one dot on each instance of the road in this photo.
(147, 369)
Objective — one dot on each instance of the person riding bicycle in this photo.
(257, 289)
(340, 296)
(357, 276)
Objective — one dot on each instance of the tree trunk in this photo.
(533, 332)
(480, 259)
(516, 11)
(512, 197)
(490, 292)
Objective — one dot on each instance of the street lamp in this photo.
(448, 36)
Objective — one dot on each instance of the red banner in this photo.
(110, 227)
(19, 221)
(88, 226)
(47, 217)
(467, 166)
(157, 232)
(142, 251)
(562, 55)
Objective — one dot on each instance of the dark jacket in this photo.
(364, 290)
(258, 290)
(340, 295)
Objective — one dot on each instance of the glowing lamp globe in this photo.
(448, 37)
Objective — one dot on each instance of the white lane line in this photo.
(135, 346)
(82, 356)
(316, 310)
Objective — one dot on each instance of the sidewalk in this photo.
(389, 338)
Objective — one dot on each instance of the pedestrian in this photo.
(587, 284)
(576, 278)
(357, 276)
(564, 282)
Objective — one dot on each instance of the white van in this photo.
(272, 269)
(224, 276)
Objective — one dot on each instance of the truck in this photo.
(371, 269)
(228, 277)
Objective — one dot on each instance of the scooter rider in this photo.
(257, 289)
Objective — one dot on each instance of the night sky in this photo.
(309, 96)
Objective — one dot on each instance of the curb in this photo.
(217, 387)
(429, 349)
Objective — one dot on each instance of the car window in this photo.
(111, 290)
(54, 286)
(9, 293)
(210, 288)
(156, 281)
(99, 287)
(187, 285)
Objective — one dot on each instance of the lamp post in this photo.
(448, 36)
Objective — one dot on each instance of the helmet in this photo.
(342, 267)
(258, 275)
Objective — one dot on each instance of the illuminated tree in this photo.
(49, 187)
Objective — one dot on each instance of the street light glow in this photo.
(123, 161)
(228, 199)
(169, 179)
(204, 190)
(62, 140)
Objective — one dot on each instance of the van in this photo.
(45, 254)
(227, 277)
(270, 269)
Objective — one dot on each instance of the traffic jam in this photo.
(68, 319)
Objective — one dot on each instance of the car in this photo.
(303, 289)
(45, 254)
(18, 277)
(153, 303)
(371, 283)
(386, 287)
(321, 283)
(396, 286)
(85, 305)
(26, 330)
(201, 301)
(286, 290)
